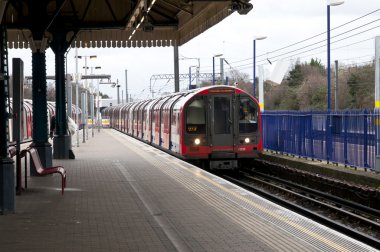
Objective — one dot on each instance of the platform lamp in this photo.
(329, 130)
(85, 129)
(213, 67)
(92, 96)
(330, 3)
(254, 62)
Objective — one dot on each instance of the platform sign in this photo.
(106, 122)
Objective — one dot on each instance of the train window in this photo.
(222, 115)
(248, 114)
(196, 117)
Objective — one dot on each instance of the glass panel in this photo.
(196, 117)
(222, 115)
(247, 116)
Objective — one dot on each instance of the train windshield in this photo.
(222, 114)
(196, 117)
(248, 114)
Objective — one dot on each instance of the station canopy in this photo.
(113, 23)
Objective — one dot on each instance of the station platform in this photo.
(124, 195)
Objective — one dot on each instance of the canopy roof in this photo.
(112, 23)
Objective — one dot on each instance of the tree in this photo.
(316, 63)
(295, 77)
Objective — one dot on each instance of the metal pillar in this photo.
(261, 88)
(17, 109)
(98, 108)
(92, 114)
(336, 86)
(62, 140)
(7, 202)
(69, 95)
(176, 69)
(377, 72)
(84, 102)
(254, 69)
(221, 70)
(213, 71)
(77, 94)
(377, 101)
(40, 118)
(118, 93)
(126, 86)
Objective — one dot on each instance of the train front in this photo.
(221, 128)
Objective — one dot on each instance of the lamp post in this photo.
(330, 3)
(97, 108)
(85, 107)
(190, 76)
(77, 93)
(118, 93)
(213, 67)
(126, 86)
(254, 62)
(92, 96)
(329, 126)
(197, 67)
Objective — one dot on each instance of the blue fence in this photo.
(347, 137)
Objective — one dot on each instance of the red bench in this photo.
(40, 169)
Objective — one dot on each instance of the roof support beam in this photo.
(135, 13)
(177, 7)
(3, 5)
(55, 14)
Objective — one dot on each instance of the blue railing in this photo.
(347, 137)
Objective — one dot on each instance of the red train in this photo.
(218, 127)
(27, 119)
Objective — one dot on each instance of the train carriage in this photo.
(218, 126)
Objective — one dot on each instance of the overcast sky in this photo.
(283, 22)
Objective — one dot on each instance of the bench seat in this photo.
(43, 171)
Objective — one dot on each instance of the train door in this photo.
(221, 121)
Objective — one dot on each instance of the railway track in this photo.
(353, 219)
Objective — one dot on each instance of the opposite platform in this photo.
(124, 195)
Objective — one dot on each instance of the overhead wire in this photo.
(296, 43)
(249, 65)
(299, 42)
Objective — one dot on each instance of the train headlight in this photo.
(246, 140)
(197, 141)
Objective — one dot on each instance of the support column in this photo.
(69, 95)
(40, 118)
(336, 86)
(377, 101)
(221, 71)
(176, 68)
(7, 185)
(62, 140)
(377, 72)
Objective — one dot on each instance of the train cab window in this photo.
(196, 117)
(222, 115)
(248, 114)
